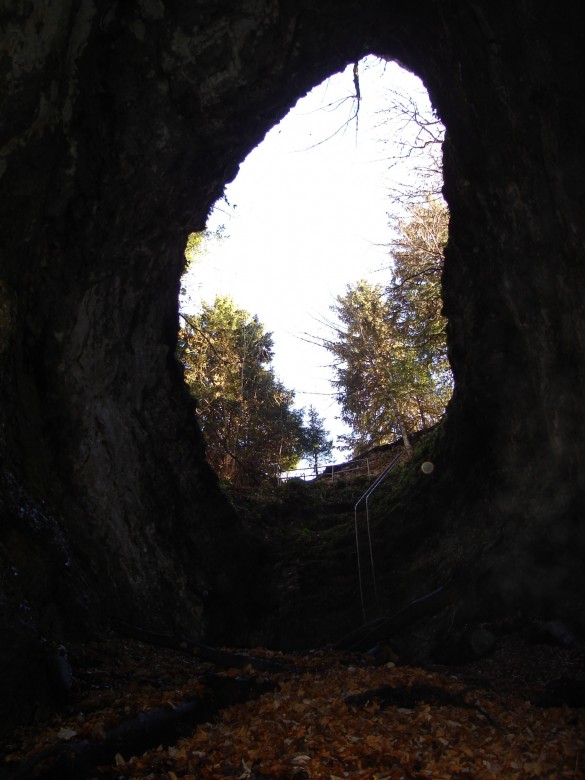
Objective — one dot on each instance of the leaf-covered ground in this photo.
(478, 721)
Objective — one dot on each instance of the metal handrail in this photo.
(345, 469)
(365, 497)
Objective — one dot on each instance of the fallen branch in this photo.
(382, 629)
(565, 692)
(212, 655)
(75, 759)
(409, 696)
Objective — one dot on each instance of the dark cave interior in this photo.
(116, 119)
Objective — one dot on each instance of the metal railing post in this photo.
(366, 497)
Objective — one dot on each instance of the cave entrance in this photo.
(335, 193)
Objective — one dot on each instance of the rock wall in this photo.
(513, 284)
(120, 125)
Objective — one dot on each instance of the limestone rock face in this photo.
(120, 125)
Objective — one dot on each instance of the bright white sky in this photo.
(304, 218)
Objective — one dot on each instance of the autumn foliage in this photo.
(323, 718)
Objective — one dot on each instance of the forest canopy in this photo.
(251, 428)
(391, 372)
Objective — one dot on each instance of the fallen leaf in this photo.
(65, 733)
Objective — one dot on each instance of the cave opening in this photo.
(350, 175)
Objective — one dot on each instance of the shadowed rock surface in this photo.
(120, 125)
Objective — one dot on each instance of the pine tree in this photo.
(249, 424)
(316, 444)
(391, 372)
(415, 288)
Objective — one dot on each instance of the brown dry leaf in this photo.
(303, 729)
